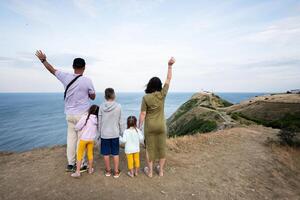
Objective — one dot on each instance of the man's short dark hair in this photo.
(78, 63)
(109, 94)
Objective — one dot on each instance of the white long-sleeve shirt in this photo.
(132, 138)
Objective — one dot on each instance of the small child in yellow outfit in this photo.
(88, 127)
(132, 137)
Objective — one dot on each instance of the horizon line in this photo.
(56, 92)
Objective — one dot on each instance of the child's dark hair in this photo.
(154, 85)
(109, 93)
(94, 110)
(131, 122)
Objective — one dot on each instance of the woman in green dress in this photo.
(152, 113)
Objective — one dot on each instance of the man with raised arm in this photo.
(78, 92)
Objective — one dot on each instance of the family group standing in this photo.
(87, 123)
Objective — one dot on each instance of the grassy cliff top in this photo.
(206, 112)
(211, 100)
(199, 114)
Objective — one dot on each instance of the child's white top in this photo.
(132, 138)
(88, 131)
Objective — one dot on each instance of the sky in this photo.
(220, 46)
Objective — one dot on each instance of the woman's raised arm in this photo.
(169, 75)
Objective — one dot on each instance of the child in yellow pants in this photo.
(133, 160)
(85, 145)
(88, 126)
(132, 137)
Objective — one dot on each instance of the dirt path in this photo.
(228, 121)
(229, 164)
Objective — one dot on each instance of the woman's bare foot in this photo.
(148, 172)
(161, 173)
(159, 170)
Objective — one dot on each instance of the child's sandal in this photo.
(117, 174)
(107, 173)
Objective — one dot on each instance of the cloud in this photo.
(28, 60)
(277, 63)
(88, 7)
(133, 7)
(66, 60)
(20, 61)
(284, 30)
(34, 10)
(93, 8)
(5, 59)
(220, 47)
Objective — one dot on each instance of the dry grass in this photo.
(230, 164)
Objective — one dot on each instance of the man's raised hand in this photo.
(40, 55)
(171, 61)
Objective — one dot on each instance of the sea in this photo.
(34, 120)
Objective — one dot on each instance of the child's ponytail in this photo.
(93, 110)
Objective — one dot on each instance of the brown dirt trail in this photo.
(230, 164)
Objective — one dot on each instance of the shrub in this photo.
(234, 116)
(288, 137)
(289, 121)
(210, 107)
(226, 103)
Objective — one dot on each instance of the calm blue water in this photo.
(31, 120)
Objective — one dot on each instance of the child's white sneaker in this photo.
(130, 174)
(76, 175)
(91, 170)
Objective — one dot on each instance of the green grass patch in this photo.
(185, 108)
(288, 121)
(222, 101)
(193, 126)
(234, 116)
(210, 107)
(241, 120)
(226, 103)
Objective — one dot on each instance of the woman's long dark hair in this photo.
(94, 110)
(131, 122)
(154, 85)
